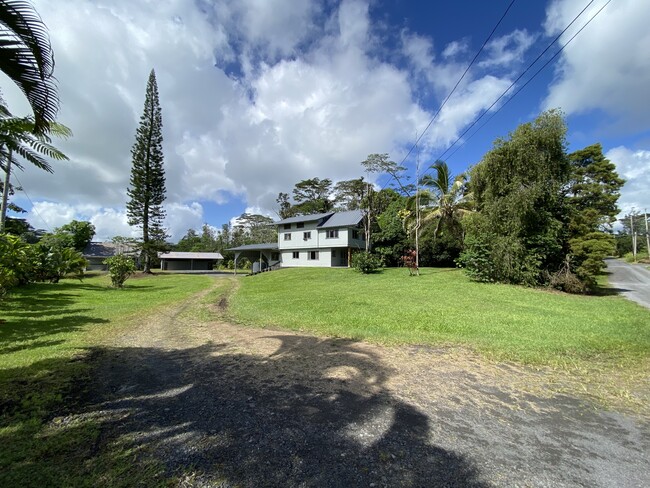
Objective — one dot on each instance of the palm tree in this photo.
(448, 196)
(17, 136)
(445, 200)
(26, 58)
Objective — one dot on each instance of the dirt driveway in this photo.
(224, 405)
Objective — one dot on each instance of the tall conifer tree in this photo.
(147, 184)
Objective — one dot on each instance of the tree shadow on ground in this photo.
(315, 412)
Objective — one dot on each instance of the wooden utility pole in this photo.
(647, 235)
(417, 208)
(633, 235)
(5, 194)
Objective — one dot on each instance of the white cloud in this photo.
(455, 48)
(634, 167)
(256, 95)
(607, 66)
(506, 50)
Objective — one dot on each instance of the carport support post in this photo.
(236, 257)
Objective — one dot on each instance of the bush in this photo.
(366, 263)
(120, 267)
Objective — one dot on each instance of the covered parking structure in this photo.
(189, 261)
(262, 256)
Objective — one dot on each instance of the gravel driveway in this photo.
(632, 280)
(224, 405)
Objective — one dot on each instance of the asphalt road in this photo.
(632, 280)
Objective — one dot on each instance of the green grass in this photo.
(442, 306)
(44, 339)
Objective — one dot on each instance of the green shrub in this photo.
(120, 267)
(366, 263)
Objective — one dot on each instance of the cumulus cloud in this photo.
(506, 50)
(634, 167)
(607, 66)
(256, 95)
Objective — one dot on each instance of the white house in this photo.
(317, 240)
(323, 240)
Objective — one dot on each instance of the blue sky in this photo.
(259, 94)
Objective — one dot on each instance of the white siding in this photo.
(324, 258)
(297, 237)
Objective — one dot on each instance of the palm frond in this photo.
(26, 58)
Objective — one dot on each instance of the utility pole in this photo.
(633, 235)
(417, 207)
(5, 194)
(647, 235)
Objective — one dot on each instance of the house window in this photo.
(296, 255)
(355, 234)
(300, 225)
(306, 235)
(313, 255)
(333, 234)
(287, 236)
(287, 226)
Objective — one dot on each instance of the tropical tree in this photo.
(518, 234)
(448, 197)
(26, 58)
(18, 136)
(147, 184)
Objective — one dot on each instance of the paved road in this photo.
(633, 280)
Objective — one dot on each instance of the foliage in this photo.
(390, 240)
(365, 262)
(27, 59)
(259, 229)
(350, 194)
(147, 184)
(15, 262)
(592, 193)
(589, 252)
(517, 187)
(120, 268)
(312, 196)
(381, 163)
(81, 233)
(54, 262)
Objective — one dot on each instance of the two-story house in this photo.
(324, 240)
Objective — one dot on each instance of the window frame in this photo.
(312, 253)
(332, 234)
(287, 236)
(306, 235)
(295, 255)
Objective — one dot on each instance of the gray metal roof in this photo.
(190, 255)
(256, 247)
(303, 218)
(343, 219)
(106, 249)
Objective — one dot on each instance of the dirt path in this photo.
(224, 405)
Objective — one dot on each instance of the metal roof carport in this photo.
(255, 252)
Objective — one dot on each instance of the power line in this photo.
(459, 81)
(528, 81)
(525, 71)
(435, 116)
(22, 188)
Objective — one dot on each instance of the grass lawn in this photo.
(444, 306)
(45, 333)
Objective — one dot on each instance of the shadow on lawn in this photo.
(34, 316)
(314, 413)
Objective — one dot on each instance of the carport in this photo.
(263, 256)
(189, 261)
